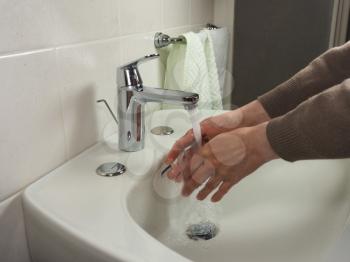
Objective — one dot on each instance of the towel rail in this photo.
(162, 40)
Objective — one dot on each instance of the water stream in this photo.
(187, 212)
(194, 212)
(195, 119)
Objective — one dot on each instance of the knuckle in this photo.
(205, 152)
(178, 143)
(225, 174)
(194, 183)
(216, 163)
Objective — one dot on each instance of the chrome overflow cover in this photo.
(111, 169)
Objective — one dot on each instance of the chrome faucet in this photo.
(133, 95)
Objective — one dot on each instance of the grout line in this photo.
(162, 12)
(190, 12)
(95, 41)
(26, 52)
(61, 92)
(27, 243)
(21, 189)
(12, 195)
(119, 4)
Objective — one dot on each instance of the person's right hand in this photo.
(246, 116)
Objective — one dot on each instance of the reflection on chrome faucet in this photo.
(132, 96)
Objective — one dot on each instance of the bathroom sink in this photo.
(282, 212)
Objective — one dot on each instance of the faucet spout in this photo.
(174, 97)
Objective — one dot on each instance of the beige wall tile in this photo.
(80, 20)
(201, 11)
(25, 25)
(140, 16)
(31, 134)
(88, 73)
(176, 13)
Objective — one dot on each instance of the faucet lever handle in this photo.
(141, 60)
(130, 74)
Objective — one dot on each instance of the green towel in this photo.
(191, 67)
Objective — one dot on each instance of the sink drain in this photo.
(111, 169)
(202, 231)
(162, 131)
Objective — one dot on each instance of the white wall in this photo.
(224, 17)
(56, 59)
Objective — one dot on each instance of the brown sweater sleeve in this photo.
(319, 128)
(328, 70)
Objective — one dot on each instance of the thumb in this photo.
(206, 152)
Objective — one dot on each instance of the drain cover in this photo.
(162, 131)
(202, 231)
(111, 169)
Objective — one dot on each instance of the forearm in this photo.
(319, 128)
(328, 70)
(253, 114)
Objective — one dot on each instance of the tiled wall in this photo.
(56, 59)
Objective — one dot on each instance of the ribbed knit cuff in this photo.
(281, 99)
(287, 140)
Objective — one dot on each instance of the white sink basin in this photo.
(283, 212)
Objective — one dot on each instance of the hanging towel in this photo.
(220, 38)
(191, 67)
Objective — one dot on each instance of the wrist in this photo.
(259, 142)
(253, 114)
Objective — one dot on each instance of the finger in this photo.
(198, 178)
(212, 183)
(176, 169)
(186, 162)
(224, 188)
(180, 165)
(196, 162)
(179, 146)
(204, 172)
(189, 187)
(206, 153)
(179, 178)
(240, 172)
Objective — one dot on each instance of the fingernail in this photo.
(185, 193)
(171, 175)
(200, 197)
(214, 200)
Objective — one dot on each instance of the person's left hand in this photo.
(224, 161)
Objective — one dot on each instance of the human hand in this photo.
(249, 115)
(225, 160)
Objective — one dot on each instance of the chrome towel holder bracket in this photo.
(162, 40)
